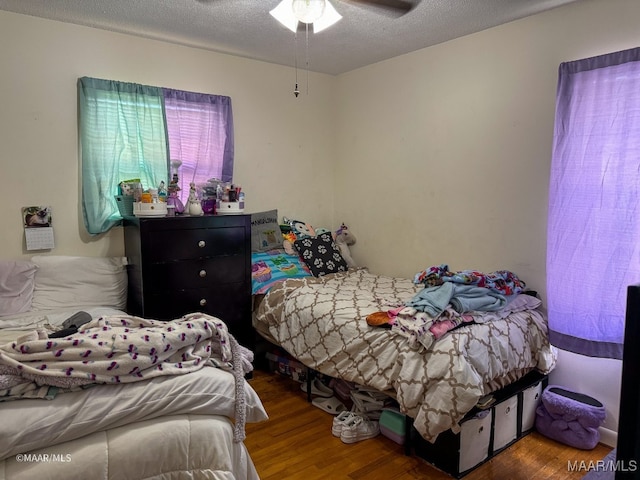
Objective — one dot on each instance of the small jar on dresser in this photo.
(185, 264)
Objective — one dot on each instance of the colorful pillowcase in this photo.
(321, 254)
(268, 268)
(265, 231)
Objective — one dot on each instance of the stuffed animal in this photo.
(298, 230)
(344, 238)
(287, 243)
(302, 229)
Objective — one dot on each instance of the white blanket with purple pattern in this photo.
(117, 349)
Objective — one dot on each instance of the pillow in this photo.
(65, 281)
(265, 231)
(321, 254)
(268, 268)
(16, 286)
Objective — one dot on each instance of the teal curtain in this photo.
(122, 137)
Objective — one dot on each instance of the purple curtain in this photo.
(593, 236)
(200, 132)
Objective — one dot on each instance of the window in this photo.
(132, 131)
(200, 130)
(593, 244)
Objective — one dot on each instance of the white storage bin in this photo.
(506, 422)
(475, 437)
(458, 453)
(480, 438)
(530, 399)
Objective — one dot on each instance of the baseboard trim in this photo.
(608, 437)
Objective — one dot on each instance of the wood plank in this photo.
(296, 443)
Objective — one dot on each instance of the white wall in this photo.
(444, 154)
(283, 160)
(439, 156)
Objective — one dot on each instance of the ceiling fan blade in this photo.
(399, 6)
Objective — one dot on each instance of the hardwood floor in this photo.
(296, 443)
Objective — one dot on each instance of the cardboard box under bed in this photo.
(284, 364)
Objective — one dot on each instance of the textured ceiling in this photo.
(365, 35)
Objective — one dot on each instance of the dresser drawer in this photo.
(226, 301)
(199, 273)
(194, 243)
(229, 302)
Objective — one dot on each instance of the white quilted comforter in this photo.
(321, 322)
(169, 447)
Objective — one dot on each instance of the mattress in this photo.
(30, 424)
(168, 447)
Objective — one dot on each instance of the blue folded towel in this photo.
(463, 298)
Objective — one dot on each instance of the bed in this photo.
(167, 424)
(437, 378)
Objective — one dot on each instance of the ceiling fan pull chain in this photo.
(307, 56)
(296, 91)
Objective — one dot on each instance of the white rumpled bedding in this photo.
(162, 427)
(11, 326)
(322, 323)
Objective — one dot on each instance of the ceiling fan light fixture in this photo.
(284, 14)
(328, 18)
(320, 13)
(308, 11)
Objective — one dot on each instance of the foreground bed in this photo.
(188, 425)
(174, 427)
(321, 322)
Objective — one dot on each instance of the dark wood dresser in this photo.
(184, 264)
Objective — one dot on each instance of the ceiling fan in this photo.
(321, 14)
(395, 7)
(301, 15)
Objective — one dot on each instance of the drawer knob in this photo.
(203, 302)
(201, 243)
(203, 273)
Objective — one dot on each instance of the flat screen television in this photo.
(628, 446)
